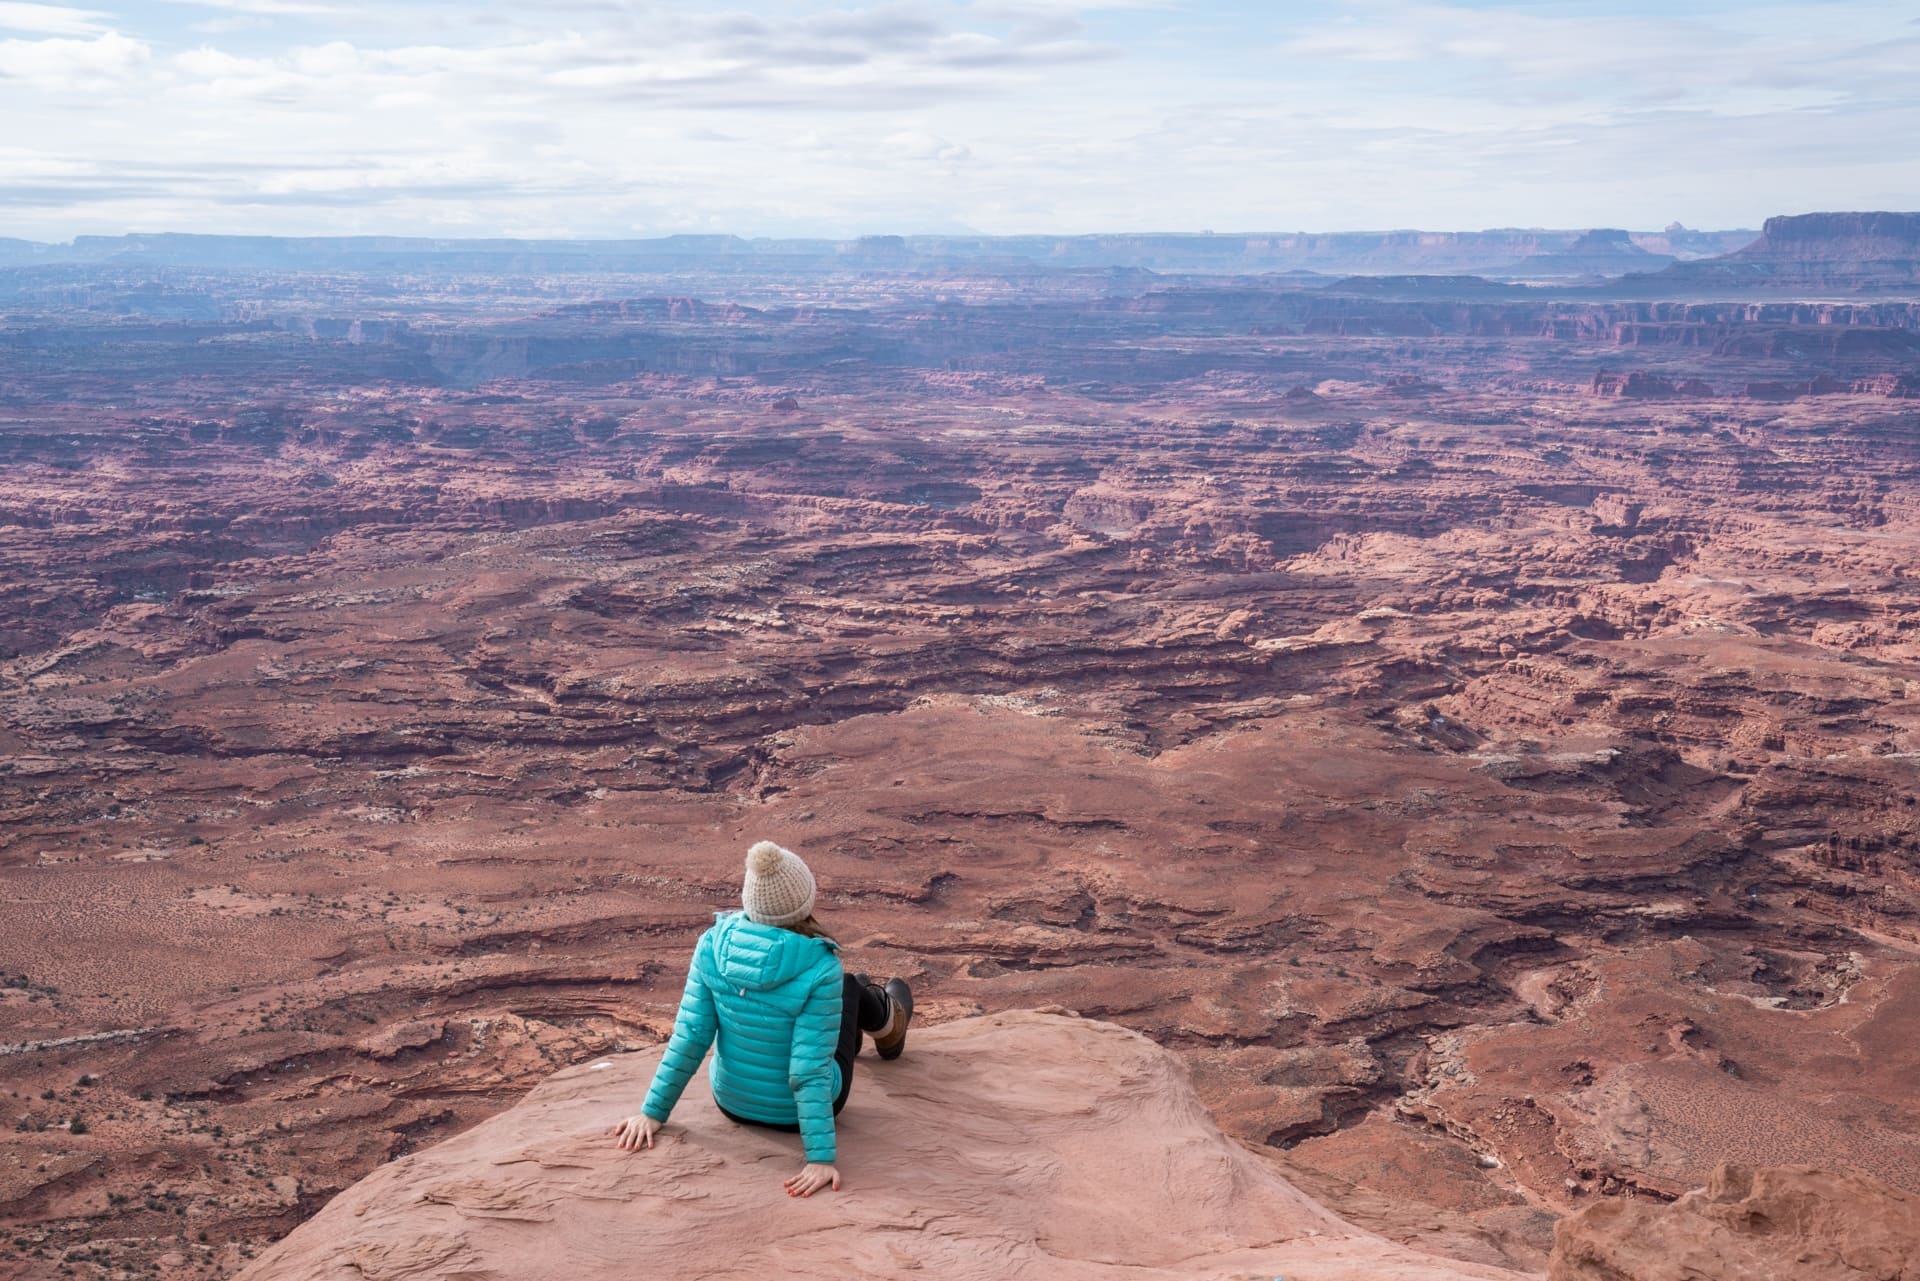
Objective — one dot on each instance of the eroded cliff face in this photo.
(1844, 252)
(1497, 794)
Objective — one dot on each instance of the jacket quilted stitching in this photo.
(771, 998)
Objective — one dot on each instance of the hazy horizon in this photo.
(1142, 232)
(594, 119)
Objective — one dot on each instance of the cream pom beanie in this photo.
(779, 888)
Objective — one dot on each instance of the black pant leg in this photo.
(873, 1006)
(849, 1047)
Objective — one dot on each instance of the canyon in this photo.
(1469, 723)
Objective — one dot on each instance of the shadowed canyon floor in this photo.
(1492, 775)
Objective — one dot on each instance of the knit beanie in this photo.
(779, 888)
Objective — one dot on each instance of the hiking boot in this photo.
(892, 1040)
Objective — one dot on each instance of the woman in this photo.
(767, 984)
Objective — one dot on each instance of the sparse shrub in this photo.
(77, 1125)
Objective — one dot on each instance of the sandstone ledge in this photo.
(1022, 1144)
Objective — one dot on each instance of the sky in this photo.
(610, 118)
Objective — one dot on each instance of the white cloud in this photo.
(229, 25)
(51, 20)
(605, 117)
(269, 8)
(921, 145)
(62, 64)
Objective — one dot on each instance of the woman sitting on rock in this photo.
(767, 983)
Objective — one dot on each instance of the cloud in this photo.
(620, 117)
(231, 24)
(917, 144)
(51, 20)
(269, 8)
(858, 60)
(62, 65)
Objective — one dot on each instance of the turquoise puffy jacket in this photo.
(772, 997)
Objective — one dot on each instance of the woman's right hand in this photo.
(635, 1132)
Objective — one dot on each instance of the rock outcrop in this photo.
(1641, 385)
(1846, 252)
(1604, 251)
(1784, 1223)
(1019, 1144)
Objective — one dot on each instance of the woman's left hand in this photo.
(811, 1179)
(635, 1132)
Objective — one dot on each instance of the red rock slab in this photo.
(1017, 1144)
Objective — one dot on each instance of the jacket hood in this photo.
(756, 957)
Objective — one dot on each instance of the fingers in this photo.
(635, 1133)
(811, 1180)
